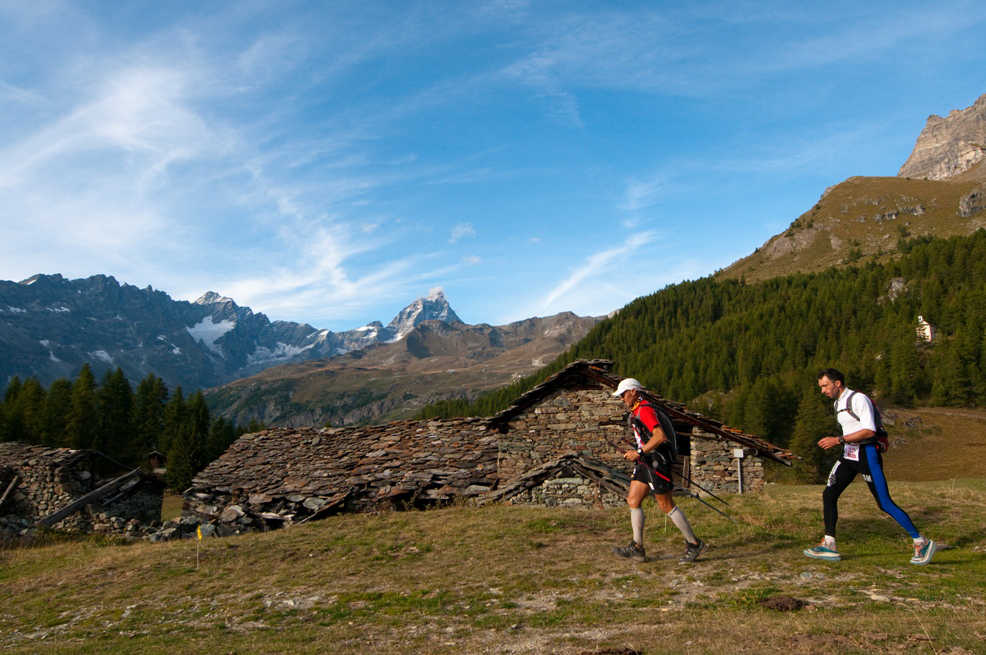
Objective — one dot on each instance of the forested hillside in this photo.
(748, 353)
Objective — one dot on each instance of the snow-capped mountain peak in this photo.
(211, 298)
(434, 307)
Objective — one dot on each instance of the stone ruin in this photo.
(73, 491)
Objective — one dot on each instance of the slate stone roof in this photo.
(16, 454)
(597, 371)
(417, 462)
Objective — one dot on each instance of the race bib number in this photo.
(851, 452)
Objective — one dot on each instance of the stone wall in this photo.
(51, 478)
(591, 424)
(714, 467)
(45, 488)
(282, 476)
(587, 422)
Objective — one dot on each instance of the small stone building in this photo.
(558, 444)
(925, 330)
(73, 490)
(574, 412)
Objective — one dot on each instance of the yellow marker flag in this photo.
(198, 531)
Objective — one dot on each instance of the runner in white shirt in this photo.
(860, 455)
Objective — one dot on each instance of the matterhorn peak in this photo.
(433, 307)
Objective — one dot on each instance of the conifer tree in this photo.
(58, 407)
(182, 457)
(175, 414)
(814, 420)
(84, 417)
(149, 403)
(13, 422)
(221, 435)
(30, 410)
(116, 417)
(13, 388)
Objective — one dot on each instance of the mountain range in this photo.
(50, 326)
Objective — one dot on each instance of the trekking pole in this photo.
(690, 481)
(694, 495)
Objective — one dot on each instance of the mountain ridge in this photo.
(50, 326)
(940, 191)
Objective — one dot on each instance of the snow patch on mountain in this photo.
(207, 332)
(103, 355)
(280, 352)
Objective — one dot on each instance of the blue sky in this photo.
(330, 162)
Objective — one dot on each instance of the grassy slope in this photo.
(948, 441)
(518, 580)
(854, 214)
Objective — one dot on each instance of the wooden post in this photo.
(10, 489)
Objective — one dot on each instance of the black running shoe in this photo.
(633, 551)
(692, 551)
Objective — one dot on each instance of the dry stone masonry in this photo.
(37, 481)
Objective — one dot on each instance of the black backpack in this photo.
(680, 444)
(881, 438)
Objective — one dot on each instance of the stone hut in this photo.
(558, 444)
(574, 412)
(73, 490)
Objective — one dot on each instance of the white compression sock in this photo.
(678, 518)
(637, 523)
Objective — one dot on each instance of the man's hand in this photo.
(631, 455)
(828, 442)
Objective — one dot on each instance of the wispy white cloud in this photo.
(643, 193)
(597, 264)
(15, 94)
(692, 51)
(462, 231)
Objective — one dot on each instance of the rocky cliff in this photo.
(949, 146)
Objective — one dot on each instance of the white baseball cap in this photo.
(626, 384)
